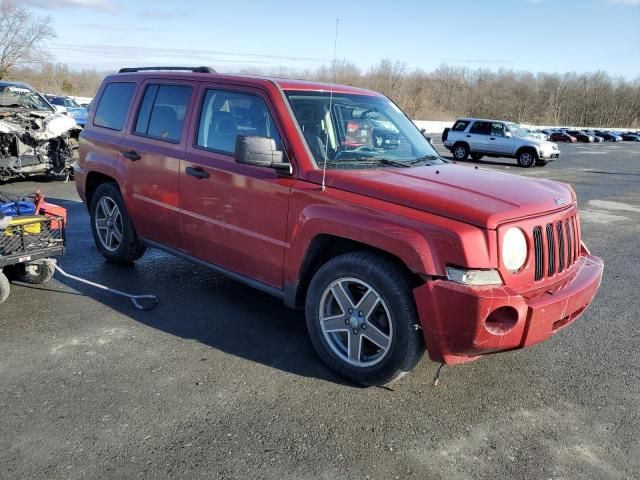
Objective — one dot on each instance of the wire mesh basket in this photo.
(26, 236)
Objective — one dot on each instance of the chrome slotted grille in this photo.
(557, 249)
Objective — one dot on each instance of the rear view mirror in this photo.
(260, 152)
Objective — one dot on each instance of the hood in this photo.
(40, 125)
(481, 197)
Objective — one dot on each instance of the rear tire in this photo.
(111, 226)
(5, 287)
(36, 273)
(527, 159)
(377, 341)
(460, 151)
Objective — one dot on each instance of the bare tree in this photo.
(22, 36)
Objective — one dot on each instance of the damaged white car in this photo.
(34, 138)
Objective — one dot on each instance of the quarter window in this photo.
(162, 112)
(225, 115)
(114, 105)
(460, 126)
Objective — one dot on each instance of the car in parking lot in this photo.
(477, 138)
(609, 136)
(581, 136)
(70, 107)
(389, 251)
(630, 136)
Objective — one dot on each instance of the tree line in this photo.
(574, 99)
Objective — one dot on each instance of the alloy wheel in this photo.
(108, 223)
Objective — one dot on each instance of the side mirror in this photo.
(507, 134)
(424, 134)
(260, 152)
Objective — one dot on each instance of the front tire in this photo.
(5, 287)
(527, 159)
(460, 151)
(111, 226)
(362, 318)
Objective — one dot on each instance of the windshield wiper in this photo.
(384, 161)
(428, 159)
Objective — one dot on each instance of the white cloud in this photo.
(102, 5)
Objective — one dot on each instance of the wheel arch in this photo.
(93, 181)
(527, 148)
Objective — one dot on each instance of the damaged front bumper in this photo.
(36, 143)
(461, 323)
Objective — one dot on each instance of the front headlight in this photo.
(514, 249)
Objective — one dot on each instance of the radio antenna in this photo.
(333, 81)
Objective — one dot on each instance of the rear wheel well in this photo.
(325, 247)
(94, 180)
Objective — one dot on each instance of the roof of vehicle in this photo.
(468, 119)
(12, 83)
(283, 83)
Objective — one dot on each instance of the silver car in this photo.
(478, 137)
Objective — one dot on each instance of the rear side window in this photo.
(460, 126)
(482, 128)
(162, 112)
(114, 105)
(225, 115)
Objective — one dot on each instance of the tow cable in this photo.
(141, 302)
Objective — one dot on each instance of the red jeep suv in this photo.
(390, 249)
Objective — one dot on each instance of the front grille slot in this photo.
(539, 252)
(556, 246)
(561, 251)
(551, 250)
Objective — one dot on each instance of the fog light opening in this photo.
(501, 320)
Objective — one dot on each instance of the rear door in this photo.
(153, 149)
(233, 215)
(478, 136)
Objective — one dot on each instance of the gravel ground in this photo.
(220, 381)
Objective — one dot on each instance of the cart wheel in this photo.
(5, 288)
(36, 272)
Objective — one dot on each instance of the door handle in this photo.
(131, 155)
(492, 138)
(468, 136)
(197, 172)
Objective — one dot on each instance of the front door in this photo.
(498, 141)
(233, 215)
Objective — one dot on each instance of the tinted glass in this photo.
(114, 105)
(225, 115)
(162, 112)
(482, 128)
(460, 126)
(497, 129)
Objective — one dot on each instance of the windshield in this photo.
(12, 96)
(516, 131)
(360, 130)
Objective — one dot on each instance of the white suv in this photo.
(495, 138)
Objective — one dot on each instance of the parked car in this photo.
(562, 137)
(596, 138)
(389, 251)
(477, 137)
(630, 137)
(70, 107)
(34, 138)
(581, 136)
(536, 134)
(609, 136)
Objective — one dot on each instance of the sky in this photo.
(532, 35)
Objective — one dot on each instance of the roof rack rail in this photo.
(188, 69)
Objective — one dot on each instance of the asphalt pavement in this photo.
(220, 381)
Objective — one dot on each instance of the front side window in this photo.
(114, 105)
(353, 131)
(497, 130)
(226, 115)
(162, 112)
